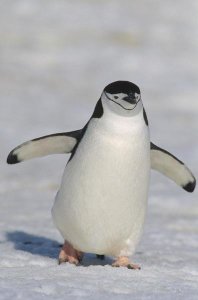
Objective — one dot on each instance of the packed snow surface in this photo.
(56, 57)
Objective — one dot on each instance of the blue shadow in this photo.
(42, 246)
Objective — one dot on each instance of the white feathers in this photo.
(44, 146)
(165, 163)
(102, 202)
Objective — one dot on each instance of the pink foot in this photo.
(124, 261)
(69, 254)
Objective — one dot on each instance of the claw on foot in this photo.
(69, 254)
(123, 261)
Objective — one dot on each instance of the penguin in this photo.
(101, 205)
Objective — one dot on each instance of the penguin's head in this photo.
(122, 97)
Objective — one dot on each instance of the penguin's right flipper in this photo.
(46, 145)
(169, 165)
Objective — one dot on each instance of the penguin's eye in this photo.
(116, 97)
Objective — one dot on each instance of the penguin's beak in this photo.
(130, 99)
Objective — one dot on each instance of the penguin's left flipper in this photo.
(46, 145)
(167, 164)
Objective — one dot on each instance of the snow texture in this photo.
(56, 57)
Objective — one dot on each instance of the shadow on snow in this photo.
(42, 246)
(37, 245)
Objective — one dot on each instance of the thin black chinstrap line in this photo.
(121, 105)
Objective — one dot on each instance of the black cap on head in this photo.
(125, 87)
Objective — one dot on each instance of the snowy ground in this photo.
(56, 57)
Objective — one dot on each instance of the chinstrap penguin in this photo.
(102, 201)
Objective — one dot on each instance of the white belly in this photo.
(102, 201)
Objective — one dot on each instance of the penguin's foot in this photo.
(124, 261)
(69, 254)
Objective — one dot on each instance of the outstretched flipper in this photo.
(161, 160)
(167, 164)
(46, 145)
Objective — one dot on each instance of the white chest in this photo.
(106, 182)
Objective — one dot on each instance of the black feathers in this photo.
(12, 159)
(98, 111)
(75, 134)
(169, 165)
(190, 186)
(154, 147)
(125, 87)
(145, 117)
(50, 144)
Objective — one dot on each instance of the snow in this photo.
(56, 57)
